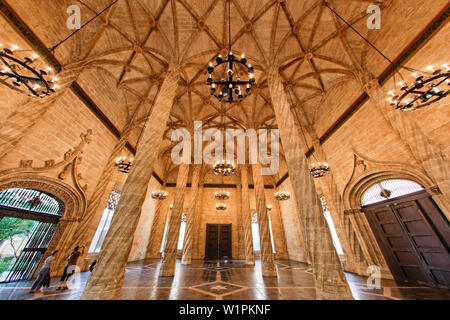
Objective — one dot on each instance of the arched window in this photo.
(334, 236)
(180, 237)
(182, 230)
(30, 200)
(105, 222)
(389, 189)
(255, 233)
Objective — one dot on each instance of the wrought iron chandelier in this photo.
(231, 88)
(282, 195)
(224, 168)
(124, 164)
(159, 195)
(221, 206)
(21, 73)
(319, 169)
(222, 195)
(426, 88)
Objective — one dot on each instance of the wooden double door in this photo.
(414, 238)
(218, 242)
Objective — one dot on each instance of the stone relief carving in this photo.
(26, 163)
(66, 182)
(49, 163)
(65, 173)
(367, 171)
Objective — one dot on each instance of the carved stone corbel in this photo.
(434, 190)
(63, 174)
(26, 163)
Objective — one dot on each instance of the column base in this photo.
(269, 273)
(167, 273)
(186, 260)
(108, 291)
(336, 292)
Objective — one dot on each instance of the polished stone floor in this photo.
(221, 281)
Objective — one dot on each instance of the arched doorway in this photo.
(412, 232)
(28, 221)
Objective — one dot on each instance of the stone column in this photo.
(195, 251)
(329, 277)
(97, 202)
(267, 261)
(157, 230)
(106, 280)
(85, 231)
(192, 216)
(173, 232)
(367, 241)
(278, 232)
(329, 187)
(240, 226)
(158, 223)
(246, 218)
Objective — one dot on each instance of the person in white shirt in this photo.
(45, 271)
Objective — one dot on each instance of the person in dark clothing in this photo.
(44, 273)
(92, 266)
(69, 270)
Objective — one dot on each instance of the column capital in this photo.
(244, 167)
(174, 68)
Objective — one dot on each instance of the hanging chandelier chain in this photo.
(229, 24)
(84, 25)
(395, 66)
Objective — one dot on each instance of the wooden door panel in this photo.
(218, 242)
(405, 257)
(426, 241)
(392, 229)
(415, 274)
(225, 241)
(415, 249)
(442, 276)
(211, 242)
(397, 242)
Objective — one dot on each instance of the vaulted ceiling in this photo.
(120, 59)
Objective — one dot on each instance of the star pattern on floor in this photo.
(223, 281)
(218, 289)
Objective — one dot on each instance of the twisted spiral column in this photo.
(192, 216)
(157, 230)
(173, 232)
(329, 278)
(246, 218)
(267, 261)
(106, 280)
